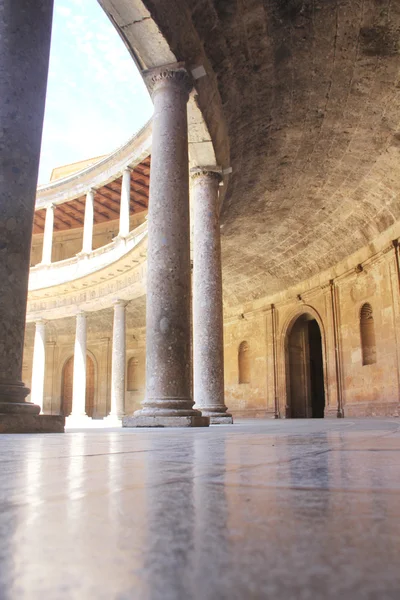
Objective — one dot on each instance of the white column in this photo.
(38, 364)
(79, 376)
(48, 235)
(125, 203)
(88, 223)
(118, 365)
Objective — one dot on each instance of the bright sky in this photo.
(96, 99)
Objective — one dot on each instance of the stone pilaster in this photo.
(48, 236)
(124, 210)
(208, 342)
(25, 30)
(168, 400)
(118, 363)
(38, 364)
(87, 244)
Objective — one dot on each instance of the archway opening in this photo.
(67, 380)
(306, 392)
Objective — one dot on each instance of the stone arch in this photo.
(66, 385)
(367, 334)
(132, 374)
(304, 313)
(244, 362)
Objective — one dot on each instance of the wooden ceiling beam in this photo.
(59, 210)
(111, 210)
(116, 202)
(95, 210)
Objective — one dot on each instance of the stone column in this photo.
(168, 400)
(38, 364)
(78, 412)
(208, 341)
(124, 210)
(25, 30)
(118, 362)
(48, 235)
(87, 245)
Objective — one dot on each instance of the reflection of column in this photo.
(48, 235)
(88, 224)
(118, 362)
(38, 364)
(25, 30)
(168, 399)
(208, 342)
(79, 376)
(125, 203)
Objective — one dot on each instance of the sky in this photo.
(96, 99)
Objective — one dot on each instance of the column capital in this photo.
(173, 74)
(204, 173)
(120, 302)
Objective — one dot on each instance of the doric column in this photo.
(124, 210)
(87, 245)
(168, 400)
(208, 342)
(48, 235)
(38, 364)
(25, 30)
(118, 362)
(79, 375)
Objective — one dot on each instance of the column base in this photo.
(29, 423)
(217, 417)
(163, 421)
(221, 419)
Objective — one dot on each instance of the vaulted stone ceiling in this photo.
(310, 94)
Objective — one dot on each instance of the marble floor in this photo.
(291, 510)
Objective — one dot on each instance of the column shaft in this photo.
(168, 398)
(124, 210)
(48, 235)
(208, 342)
(118, 365)
(25, 30)
(79, 375)
(38, 364)
(87, 245)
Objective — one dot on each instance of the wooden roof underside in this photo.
(70, 215)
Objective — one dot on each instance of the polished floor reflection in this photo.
(295, 510)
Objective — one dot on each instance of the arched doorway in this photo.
(305, 381)
(67, 379)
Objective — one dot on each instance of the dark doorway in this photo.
(306, 394)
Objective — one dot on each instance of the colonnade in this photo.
(87, 242)
(169, 396)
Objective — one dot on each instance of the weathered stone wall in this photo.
(371, 389)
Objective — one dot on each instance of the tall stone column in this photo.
(87, 244)
(78, 413)
(48, 236)
(38, 364)
(168, 400)
(25, 30)
(118, 362)
(124, 210)
(208, 341)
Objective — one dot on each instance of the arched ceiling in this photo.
(310, 97)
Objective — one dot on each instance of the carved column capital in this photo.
(169, 75)
(200, 174)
